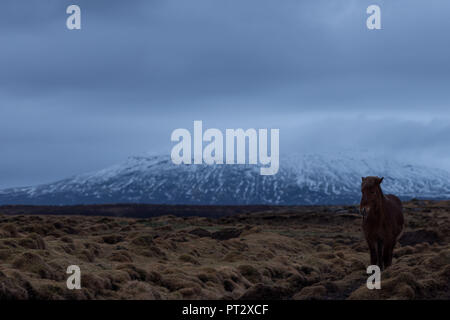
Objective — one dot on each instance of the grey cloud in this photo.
(74, 101)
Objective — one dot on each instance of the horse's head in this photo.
(371, 193)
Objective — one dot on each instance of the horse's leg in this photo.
(373, 252)
(380, 254)
(387, 254)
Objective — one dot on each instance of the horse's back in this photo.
(395, 209)
(394, 200)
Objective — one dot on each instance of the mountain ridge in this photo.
(306, 179)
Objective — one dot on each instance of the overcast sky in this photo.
(77, 101)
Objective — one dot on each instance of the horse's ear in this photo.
(380, 180)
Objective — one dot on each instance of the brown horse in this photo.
(382, 221)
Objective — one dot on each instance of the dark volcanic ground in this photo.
(259, 253)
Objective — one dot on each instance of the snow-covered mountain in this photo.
(302, 179)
